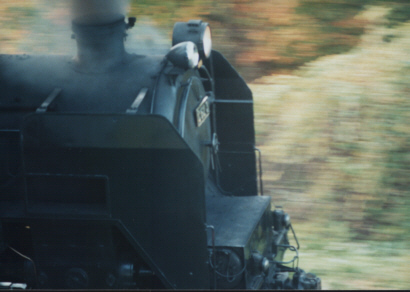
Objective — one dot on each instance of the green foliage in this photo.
(392, 209)
(399, 14)
(24, 16)
(333, 48)
(26, 11)
(331, 11)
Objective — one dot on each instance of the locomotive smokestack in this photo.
(100, 11)
(99, 29)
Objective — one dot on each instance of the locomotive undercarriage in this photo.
(248, 257)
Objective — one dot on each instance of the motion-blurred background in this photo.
(331, 84)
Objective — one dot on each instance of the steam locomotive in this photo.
(120, 170)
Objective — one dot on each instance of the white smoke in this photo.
(49, 29)
(145, 38)
(98, 11)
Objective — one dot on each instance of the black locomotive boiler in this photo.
(120, 170)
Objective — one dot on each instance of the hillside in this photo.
(335, 140)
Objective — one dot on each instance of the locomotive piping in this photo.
(29, 259)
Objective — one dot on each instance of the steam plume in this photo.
(98, 11)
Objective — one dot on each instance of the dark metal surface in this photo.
(101, 131)
(235, 129)
(26, 83)
(176, 247)
(226, 214)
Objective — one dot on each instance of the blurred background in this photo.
(331, 85)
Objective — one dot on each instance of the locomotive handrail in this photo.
(292, 261)
(154, 91)
(208, 79)
(233, 101)
(135, 105)
(260, 170)
(294, 235)
(44, 106)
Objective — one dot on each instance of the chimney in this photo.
(100, 46)
(99, 29)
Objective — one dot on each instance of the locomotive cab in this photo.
(129, 171)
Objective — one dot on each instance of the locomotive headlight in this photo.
(184, 55)
(195, 31)
(207, 42)
(286, 220)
